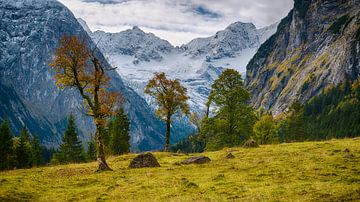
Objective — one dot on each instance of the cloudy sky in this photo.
(177, 21)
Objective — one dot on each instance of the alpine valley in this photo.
(294, 59)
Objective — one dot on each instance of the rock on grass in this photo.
(144, 161)
(196, 160)
(251, 144)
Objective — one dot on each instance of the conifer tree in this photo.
(119, 128)
(71, 150)
(23, 150)
(91, 152)
(36, 151)
(5, 145)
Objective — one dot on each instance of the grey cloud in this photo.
(170, 19)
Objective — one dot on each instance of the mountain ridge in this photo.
(29, 33)
(196, 63)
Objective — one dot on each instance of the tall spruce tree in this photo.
(91, 152)
(71, 150)
(119, 127)
(36, 151)
(23, 150)
(5, 145)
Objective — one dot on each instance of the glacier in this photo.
(138, 55)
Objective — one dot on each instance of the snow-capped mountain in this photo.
(138, 55)
(30, 31)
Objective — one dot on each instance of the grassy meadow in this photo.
(308, 171)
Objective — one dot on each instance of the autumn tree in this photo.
(77, 66)
(171, 98)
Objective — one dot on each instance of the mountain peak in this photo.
(137, 29)
(241, 25)
(84, 25)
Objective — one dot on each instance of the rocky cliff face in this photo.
(29, 33)
(316, 45)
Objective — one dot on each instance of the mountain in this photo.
(29, 33)
(315, 46)
(197, 64)
(134, 42)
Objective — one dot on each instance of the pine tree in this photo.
(119, 128)
(71, 150)
(91, 152)
(36, 151)
(5, 145)
(23, 150)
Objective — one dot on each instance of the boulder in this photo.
(251, 144)
(230, 156)
(145, 160)
(196, 160)
(349, 156)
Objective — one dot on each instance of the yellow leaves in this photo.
(170, 95)
(76, 66)
(108, 100)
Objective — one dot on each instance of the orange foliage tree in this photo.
(171, 98)
(76, 66)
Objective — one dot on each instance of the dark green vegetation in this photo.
(340, 24)
(22, 151)
(26, 151)
(307, 171)
(233, 118)
(118, 133)
(71, 150)
(333, 114)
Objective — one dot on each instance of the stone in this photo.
(196, 160)
(145, 160)
(349, 156)
(230, 156)
(251, 144)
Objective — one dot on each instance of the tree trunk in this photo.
(167, 144)
(100, 154)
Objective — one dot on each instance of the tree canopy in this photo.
(77, 66)
(171, 98)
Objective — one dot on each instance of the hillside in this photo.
(30, 31)
(315, 46)
(309, 171)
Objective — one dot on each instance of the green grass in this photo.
(309, 171)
